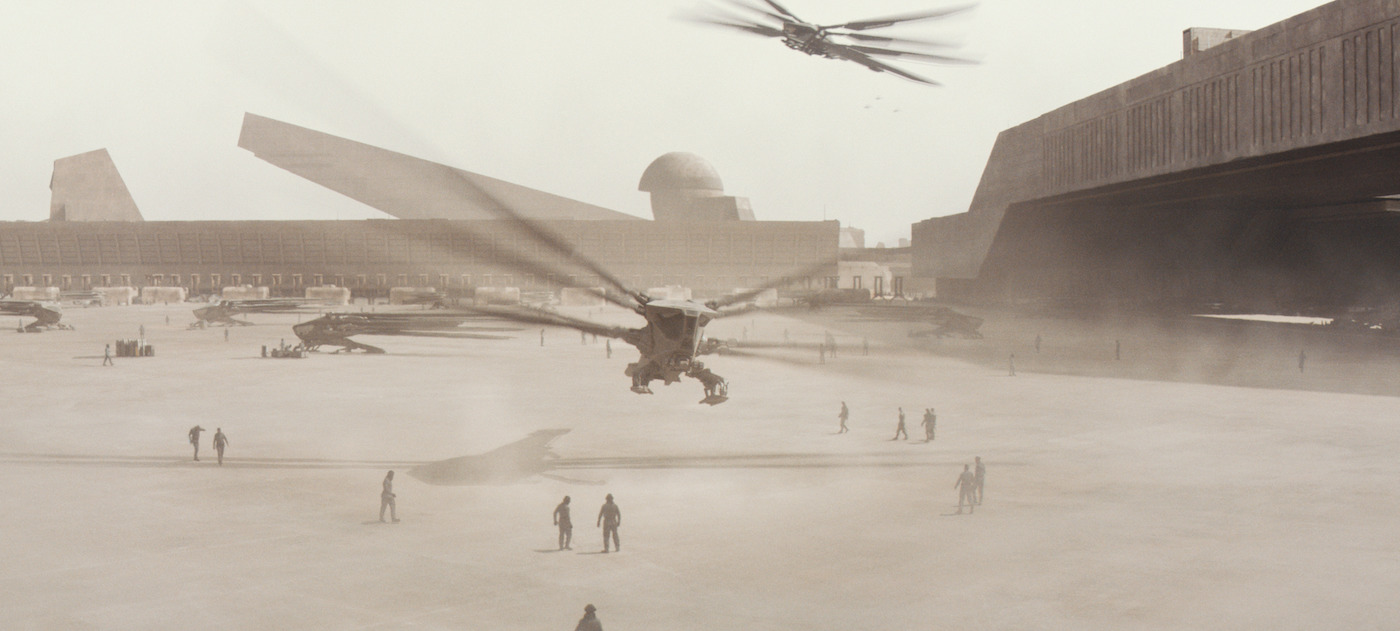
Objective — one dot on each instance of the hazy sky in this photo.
(574, 98)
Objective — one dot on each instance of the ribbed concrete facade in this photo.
(370, 256)
(1163, 179)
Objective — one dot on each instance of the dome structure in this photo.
(680, 171)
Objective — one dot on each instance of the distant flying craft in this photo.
(840, 41)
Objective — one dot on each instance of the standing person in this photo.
(1302, 359)
(194, 440)
(566, 525)
(831, 344)
(845, 414)
(386, 499)
(589, 621)
(220, 441)
(899, 429)
(929, 420)
(107, 356)
(610, 517)
(964, 485)
(608, 347)
(225, 334)
(979, 475)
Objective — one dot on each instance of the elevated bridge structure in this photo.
(1256, 172)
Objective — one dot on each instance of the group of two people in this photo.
(609, 518)
(220, 441)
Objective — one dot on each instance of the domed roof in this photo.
(679, 170)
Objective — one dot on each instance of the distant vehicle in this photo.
(336, 329)
(839, 41)
(45, 316)
(222, 312)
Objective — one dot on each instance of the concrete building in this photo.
(1255, 172)
(450, 236)
(87, 187)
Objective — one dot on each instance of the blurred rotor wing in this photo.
(846, 52)
(886, 39)
(734, 23)
(544, 236)
(861, 25)
(871, 50)
(783, 15)
(745, 296)
(549, 318)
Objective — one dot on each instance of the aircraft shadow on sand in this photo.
(532, 456)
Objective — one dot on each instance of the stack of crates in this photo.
(134, 348)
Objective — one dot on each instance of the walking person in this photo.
(929, 420)
(610, 517)
(1302, 360)
(979, 475)
(220, 441)
(194, 440)
(107, 356)
(899, 429)
(386, 499)
(566, 525)
(964, 485)
(589, 621)
(845, 414)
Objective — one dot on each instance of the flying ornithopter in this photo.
(670, 342)
(847, 41)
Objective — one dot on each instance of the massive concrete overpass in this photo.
(1251, 173)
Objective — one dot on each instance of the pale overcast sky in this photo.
(574, 98)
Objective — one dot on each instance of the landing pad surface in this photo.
(1113, 499)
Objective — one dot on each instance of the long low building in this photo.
(370, 256)
(451, 231)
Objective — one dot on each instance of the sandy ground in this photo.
(1114, 499)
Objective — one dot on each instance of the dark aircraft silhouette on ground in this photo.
(222, 312)
(45, 317)
(336, 329)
